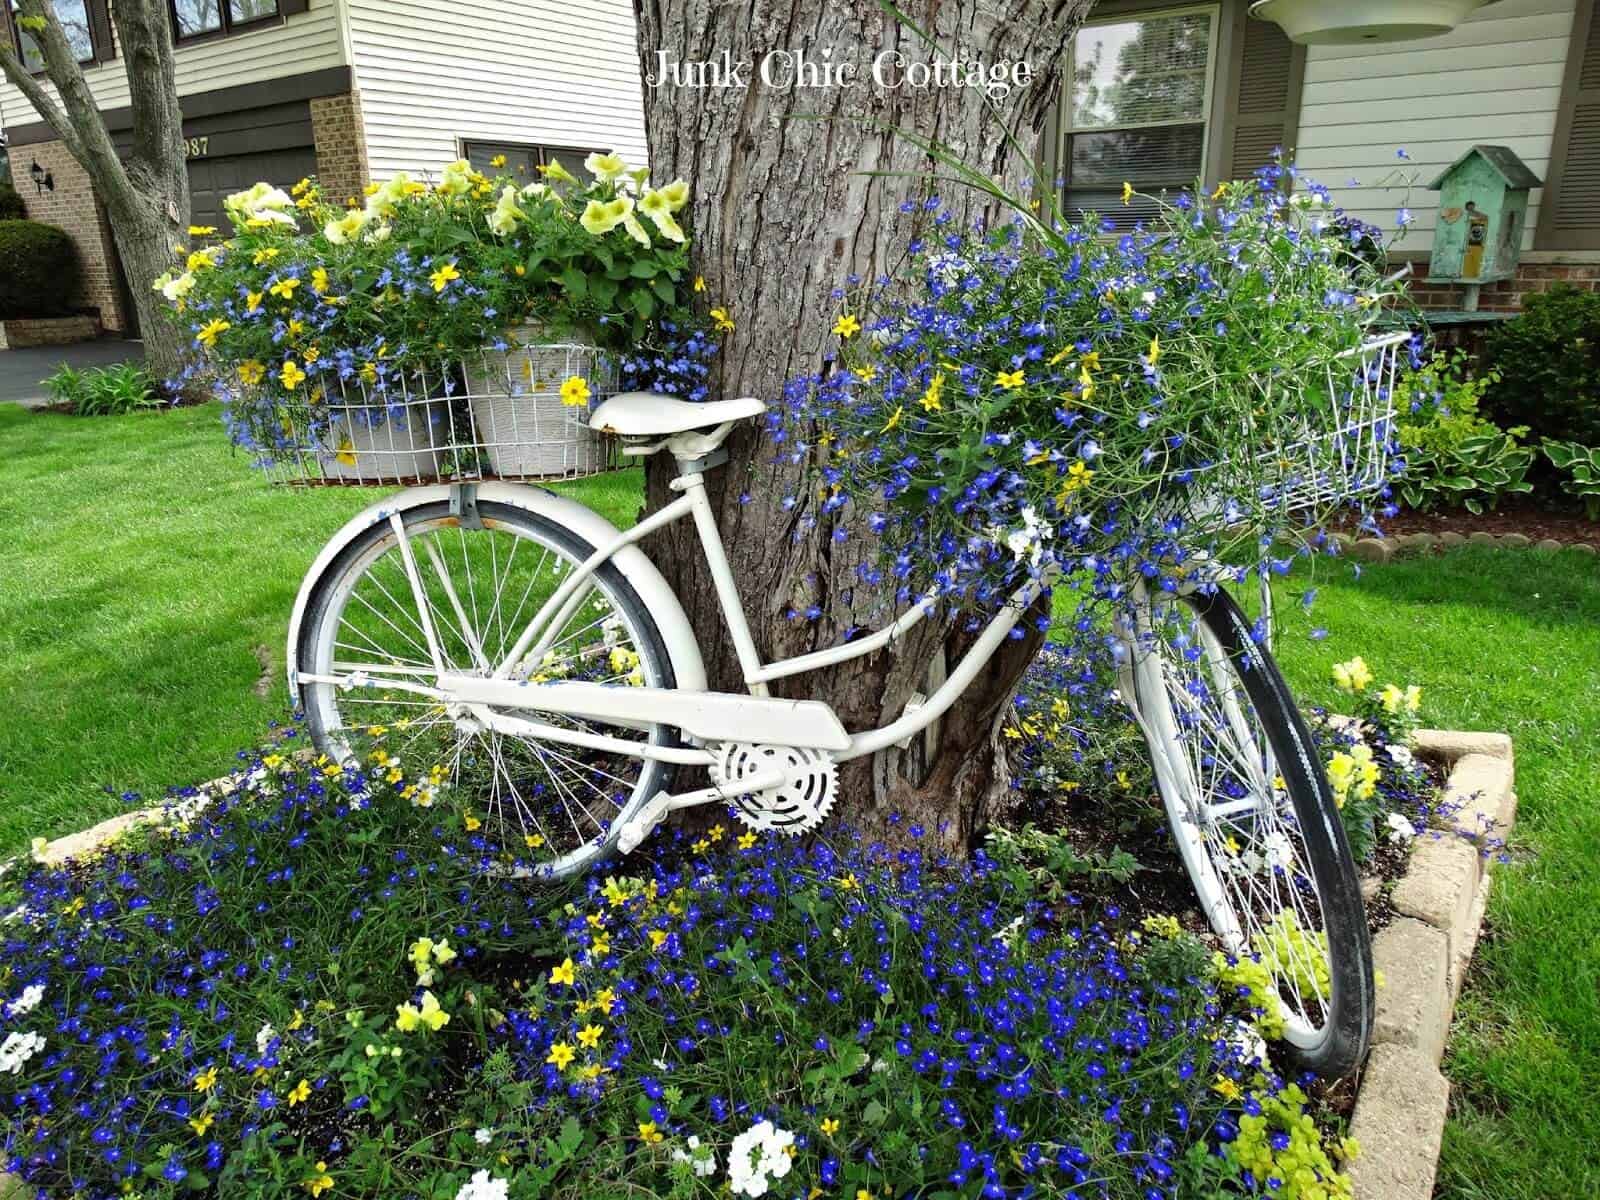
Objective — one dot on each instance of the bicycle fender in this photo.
(688, 666)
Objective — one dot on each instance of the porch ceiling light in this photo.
(1353, 22)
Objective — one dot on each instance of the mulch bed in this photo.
(1513, 517)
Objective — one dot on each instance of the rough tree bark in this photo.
(783, 212)
(146, 197)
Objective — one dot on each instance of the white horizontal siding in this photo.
(308, 41)
(550, 72)
(1496, 78)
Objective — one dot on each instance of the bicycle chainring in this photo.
(796, 806)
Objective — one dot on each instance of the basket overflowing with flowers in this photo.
(459, 328)
(1041, 399)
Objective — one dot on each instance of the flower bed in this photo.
(310, 986)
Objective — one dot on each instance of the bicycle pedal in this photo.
(643, 822)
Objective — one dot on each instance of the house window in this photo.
(206, 18)
(522, 159)
(1136, 109)
(74, 18)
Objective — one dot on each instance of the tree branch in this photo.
(33, 91)
(77, 118)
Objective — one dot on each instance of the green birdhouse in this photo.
(1483, 207)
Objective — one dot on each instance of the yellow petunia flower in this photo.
(589, 1036)
(498, 161)
(1010, 380)
(932, 398)
(1127, 192)
(721, 318)
(566, 973)
(319, 1182)
(300, 1093)
(202, 1123)
(575, 391)
(202, 230)
(284, 288)
(649, 1134)
(291, 375)
(208, 333)
(847, 326)
(561, 1056)
(443, 275)
(206, 1080)
(319, 280)
(265, 255)
(894, 419)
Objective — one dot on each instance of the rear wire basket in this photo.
(492, 415)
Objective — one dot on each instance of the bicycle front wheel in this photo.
(534, 807)
(1255, 822)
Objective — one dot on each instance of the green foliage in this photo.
(1581, 467)
(1456, 457)
(38, 269)
(1548, 361)
(11, 206)
(1047, 862)
(103, 391)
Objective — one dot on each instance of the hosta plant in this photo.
(1581, 467)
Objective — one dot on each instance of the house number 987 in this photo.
(197, 147)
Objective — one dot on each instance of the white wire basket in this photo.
(1338, 453)
(498, 414)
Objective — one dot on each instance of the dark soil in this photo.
(1516, 516)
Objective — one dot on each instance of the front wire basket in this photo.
(494, 415)
(1328, 459)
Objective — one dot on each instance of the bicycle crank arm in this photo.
(709, 716)
(655, 809)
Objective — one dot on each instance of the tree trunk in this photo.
(146, 197)
(784, 212)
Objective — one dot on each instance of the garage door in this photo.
(213, 180)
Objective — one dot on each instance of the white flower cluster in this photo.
(760, 1155)
(25, 1003)
(703, 1159)
(1400, 829)
(17, 1049)
(482, 1187)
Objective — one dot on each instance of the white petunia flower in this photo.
(483, 1136)
(702, 1159)
(759, 1156)
(17, 1049)
(482, 1187)
(1400, 755)
(27, 1002)
(264, 1037)
(1400, 829)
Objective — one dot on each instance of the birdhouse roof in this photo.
(1503, 159)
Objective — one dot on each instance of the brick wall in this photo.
(72, 207)
(1506, 295)
(341, 144)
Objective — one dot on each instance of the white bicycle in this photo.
(512, 643)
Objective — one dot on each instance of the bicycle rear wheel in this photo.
(1255, 822)
(541, 809)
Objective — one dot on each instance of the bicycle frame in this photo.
(706, 717)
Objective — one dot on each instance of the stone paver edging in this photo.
(1422, 956)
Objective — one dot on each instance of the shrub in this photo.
(1548, 361)
(1455, 456)
(311, 986)
(103, 391)
(38, 270)
(11, 206)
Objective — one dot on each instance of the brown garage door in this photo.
(213, 180)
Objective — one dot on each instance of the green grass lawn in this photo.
(144, 565)
(146, 570)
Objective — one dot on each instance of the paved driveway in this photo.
(23, 372)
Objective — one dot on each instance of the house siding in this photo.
(1495, 78)
(304, 42)
(544, 72)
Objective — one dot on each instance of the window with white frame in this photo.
(1136, 108)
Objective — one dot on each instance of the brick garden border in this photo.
(1423, 954)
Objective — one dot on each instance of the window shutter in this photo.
(1570, 213)
(1266, 108)
(289, 7)
(105, 38)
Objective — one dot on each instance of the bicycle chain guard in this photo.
(799, 805)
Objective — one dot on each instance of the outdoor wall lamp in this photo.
(42, 180)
